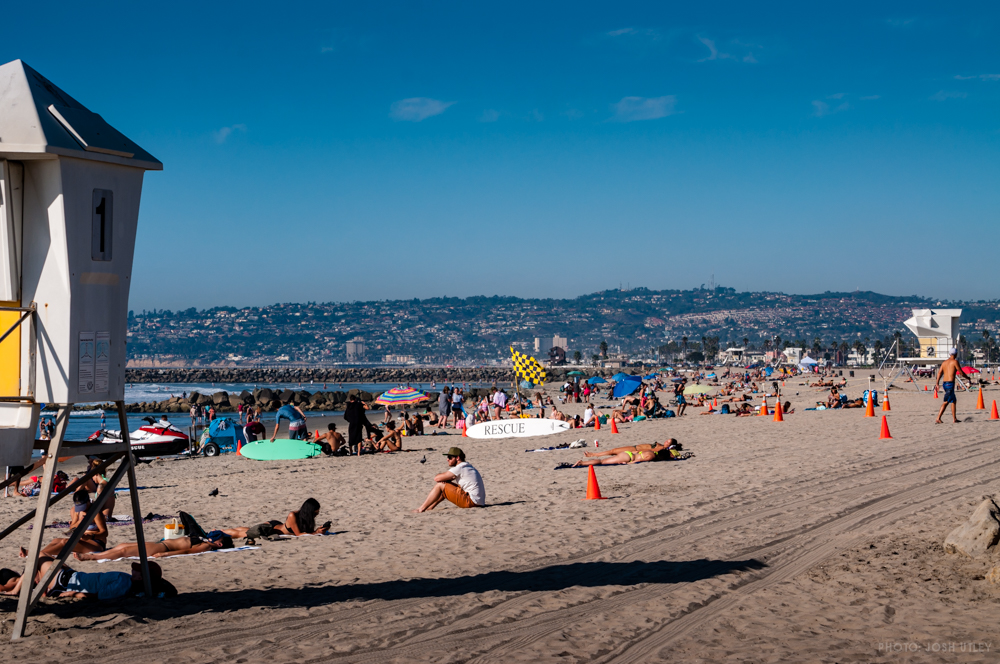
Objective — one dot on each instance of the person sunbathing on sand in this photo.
(90, 585)
(300, 522)
(625, 457)
(654, 447)
(179, 546)
(95, 539)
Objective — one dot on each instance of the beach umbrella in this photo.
(970, 370)
(527, 384)
(400, 396)
(620, 375)
(651, 376)
(596, 380)
(627, 386)
(697, 389)
(575, 373)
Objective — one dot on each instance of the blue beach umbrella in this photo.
(620, 375)
(596, 380)
(627, 386)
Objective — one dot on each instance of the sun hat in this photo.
(456, 452)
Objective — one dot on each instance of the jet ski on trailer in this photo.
(157, 438)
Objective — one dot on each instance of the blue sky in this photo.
(349, 151)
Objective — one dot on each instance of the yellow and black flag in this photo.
(527, 368)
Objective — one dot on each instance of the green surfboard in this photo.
(280, 449)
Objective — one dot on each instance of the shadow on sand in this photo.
(545, 579)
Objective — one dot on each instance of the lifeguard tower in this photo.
(937, 330)
(69, 205)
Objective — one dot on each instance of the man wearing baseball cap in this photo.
(950, 371)
(461, 484)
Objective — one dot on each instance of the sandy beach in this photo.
(809, 540)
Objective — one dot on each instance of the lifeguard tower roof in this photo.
(938, 323)
(37, 119)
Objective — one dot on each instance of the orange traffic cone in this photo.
(614, 426)
(593, 491)
(935, 392)
(870, 408)
(993, 411)
(979, 404)
(778, 417)
(239, 446)
(763, 408)
(597, 422)
(885, 429)
(465, 431)
(925, 389)
(885, 403)
(317, 434)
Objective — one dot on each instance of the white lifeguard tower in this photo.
(937, 330)
(69, 205)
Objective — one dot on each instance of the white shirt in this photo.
(500, 399)
(471, 482)
(588, 415)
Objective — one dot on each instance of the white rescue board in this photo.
(517, 428)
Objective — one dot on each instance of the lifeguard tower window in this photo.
(100, 246)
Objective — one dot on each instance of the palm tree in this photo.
(604, 348)
(859, 348)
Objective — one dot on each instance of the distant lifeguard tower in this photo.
(937, 330)
(70, 185)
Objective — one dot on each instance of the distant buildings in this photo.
(398, 359)
(544, 344)
(356, 350)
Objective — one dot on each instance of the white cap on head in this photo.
(953, 351)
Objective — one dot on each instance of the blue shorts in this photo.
(680, 400)
(949, 392)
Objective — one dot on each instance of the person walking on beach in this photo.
(457, 409)
(949, 372)
(444, 407)
(461, 484)
(681, 401)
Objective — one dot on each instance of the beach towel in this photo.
(183, 555)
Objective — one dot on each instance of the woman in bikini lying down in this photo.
(214, 540)
(300, 522)
(626, 457)
(642, 447)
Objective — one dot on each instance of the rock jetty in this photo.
(308, 398)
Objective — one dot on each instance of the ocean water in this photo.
(80, 427)
(84, 423)
(136, 392)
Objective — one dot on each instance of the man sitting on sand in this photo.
(461, 484)
(333, 439)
